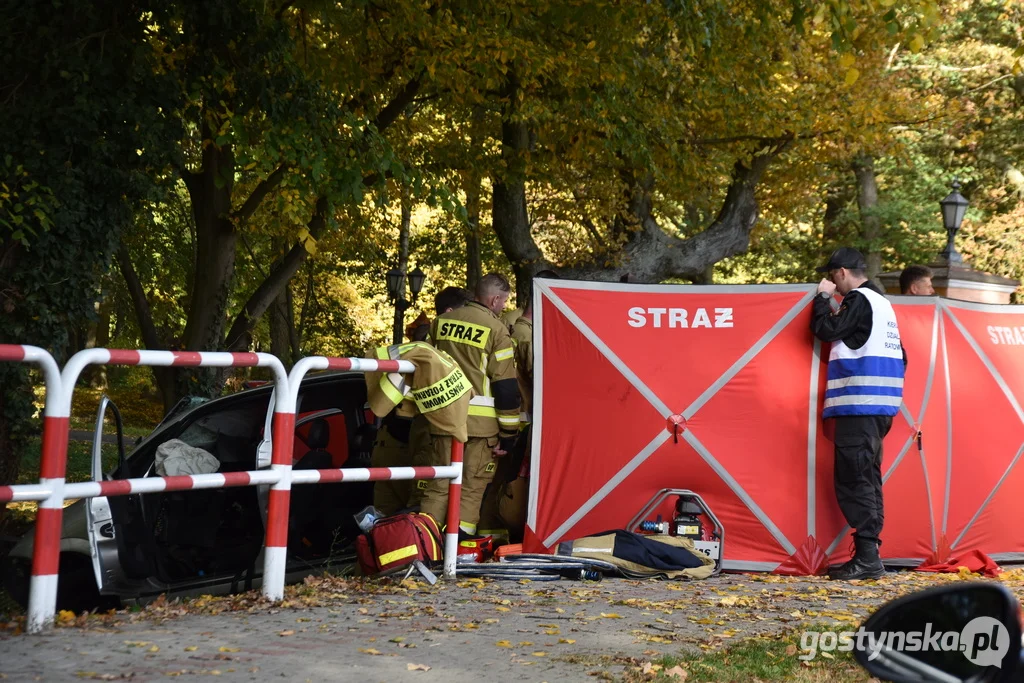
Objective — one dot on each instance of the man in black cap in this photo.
(866, 367)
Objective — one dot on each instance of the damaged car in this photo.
(128, 550)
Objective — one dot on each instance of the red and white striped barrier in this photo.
(52, 490)
(46, 552)
(277, 511)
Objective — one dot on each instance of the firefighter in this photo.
(505, 504)
(402, 397)
(866, 367)
(404, 436)
(477, 339)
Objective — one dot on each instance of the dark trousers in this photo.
(858, 472)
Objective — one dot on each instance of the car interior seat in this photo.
(307, 532)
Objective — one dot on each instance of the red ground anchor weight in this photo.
(675, 425)
(809, 560)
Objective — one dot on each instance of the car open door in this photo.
(99, 521)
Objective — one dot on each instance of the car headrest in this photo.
(319, 434)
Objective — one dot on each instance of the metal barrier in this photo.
(452, 471)
(52, 490)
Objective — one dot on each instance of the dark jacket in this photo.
(851, 323)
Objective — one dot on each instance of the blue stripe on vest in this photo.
(878, 366)
(836, 411)
(864, 390)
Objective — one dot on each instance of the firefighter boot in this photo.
(864, 565)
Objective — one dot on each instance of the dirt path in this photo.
(336, 629)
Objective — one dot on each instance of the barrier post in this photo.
(451, 539)
(52, 465)
(275, 548)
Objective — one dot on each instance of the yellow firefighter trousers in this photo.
(477, 472)
(391, 496)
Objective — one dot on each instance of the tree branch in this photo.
(280, 275)
(248, 208)
(393, 109)
(150, 337)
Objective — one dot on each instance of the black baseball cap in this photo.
(844, 257)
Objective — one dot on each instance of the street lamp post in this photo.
(396, 290)
(954, 207)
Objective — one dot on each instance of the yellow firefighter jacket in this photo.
(522, 337)
(481, 345)
(438, 389)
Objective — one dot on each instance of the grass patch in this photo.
(761, 658)
(79, 460)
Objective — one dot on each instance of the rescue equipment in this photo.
(690, 520)
(397, 541)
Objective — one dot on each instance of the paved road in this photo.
(337, 629)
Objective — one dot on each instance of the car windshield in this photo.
(221, 436)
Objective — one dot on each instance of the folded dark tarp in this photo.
(639, 556)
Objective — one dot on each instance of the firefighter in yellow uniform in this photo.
(506, 501)
(477, 339)
(405, 432)
(437, 392)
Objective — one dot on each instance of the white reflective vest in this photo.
(868, 380)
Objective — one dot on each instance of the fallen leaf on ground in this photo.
(568, 641)
(503, 643)
(227, 649)
(191, 648)
(287, 632)
(676, 672)
(613, 615)
(417, 667)
(540, 654)
(369, 651)
(791, 650)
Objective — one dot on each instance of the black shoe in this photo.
(864, 565)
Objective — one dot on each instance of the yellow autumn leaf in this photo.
(369, 651)
(846, 60)
(525, 643)
(851, 76)
(916, 43)
(65, 617)
(502, 609)
(191, 648)
(567, 641)
(613, 615)
(228, 649)
(155, 648)
(540, 654)
(551, 632)
(503, 643)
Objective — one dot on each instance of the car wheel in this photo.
(76, 587)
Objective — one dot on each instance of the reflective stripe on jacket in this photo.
(868, 380)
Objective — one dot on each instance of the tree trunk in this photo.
(509, 213)
(281, 273)
(650, 254)
(210, 193)
(474, 268)
(280, 334)
(836, 198)
(167, 379)
(403, 233)
(867, 203)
